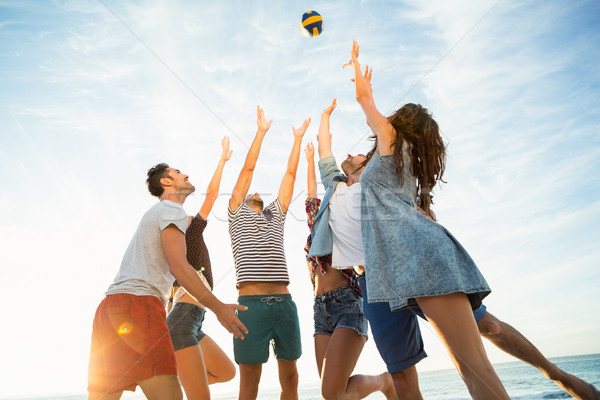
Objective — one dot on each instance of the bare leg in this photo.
(288, 379)
(339, 361)
(219, 368)
(192, 373)
(162, 387)
(249, 380)
(511, 341)
(407, 384)
(105, 396)
(452, 318)
(321, 343)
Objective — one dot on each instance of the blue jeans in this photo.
(185, 325)
(339, 308)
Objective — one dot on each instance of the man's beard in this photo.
(348, 168)
(252, 203)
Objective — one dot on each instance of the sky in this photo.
(96, 92)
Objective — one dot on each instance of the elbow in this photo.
(290, 175)
(175, 269)
(362, 98)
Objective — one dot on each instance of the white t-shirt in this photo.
(144, 270)
(344, 220)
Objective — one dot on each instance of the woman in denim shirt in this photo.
(409, 259)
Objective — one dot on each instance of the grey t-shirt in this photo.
(144, 270)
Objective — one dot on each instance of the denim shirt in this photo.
(322, 238)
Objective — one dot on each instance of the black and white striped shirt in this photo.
(257, 243)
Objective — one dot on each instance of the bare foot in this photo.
(577, 387)
(389, 390)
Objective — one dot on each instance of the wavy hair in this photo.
(414, 125)
(155, 174)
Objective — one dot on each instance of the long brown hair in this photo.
(414, 124)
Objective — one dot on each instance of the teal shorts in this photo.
(269, 319)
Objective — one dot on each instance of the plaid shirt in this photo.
(312, 207)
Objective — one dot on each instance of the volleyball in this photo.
(312, 24)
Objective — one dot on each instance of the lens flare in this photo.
(125, 328)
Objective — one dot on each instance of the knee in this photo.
(406, 382)
(328, 392)
(289, 378)
(249, 381)
(226, 373)
(489, 326)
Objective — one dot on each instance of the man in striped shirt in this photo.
(261, 273)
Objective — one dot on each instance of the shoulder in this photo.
(276, 208)
(312, 202)
(197, 224)
(231, 214)
(166, 213)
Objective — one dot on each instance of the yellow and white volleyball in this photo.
(311, 24)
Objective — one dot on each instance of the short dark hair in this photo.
(155, 174)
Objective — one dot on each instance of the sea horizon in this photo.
(521, 380)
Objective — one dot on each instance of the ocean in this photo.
(522, 381)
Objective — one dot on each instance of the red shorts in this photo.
(130, 343)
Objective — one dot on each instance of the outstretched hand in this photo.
(353, 55)
(310, 152)
(228, 318)
(330, 109)
(367, 77)
(226, 155)
(299, 132)
(261, 121)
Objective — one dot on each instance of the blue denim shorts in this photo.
(396, 333)
(185, 325)
(339, 308)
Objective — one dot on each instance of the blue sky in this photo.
(95, 92)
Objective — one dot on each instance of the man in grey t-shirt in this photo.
(130, 339)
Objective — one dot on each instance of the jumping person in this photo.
(130, 338)
(340, 324)
(200, 361)
(405, 130)
(261, 272)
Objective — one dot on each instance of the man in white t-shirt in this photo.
(344, 216)
(130, 338)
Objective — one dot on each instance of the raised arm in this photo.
(311, 177)
(324, 135)
(173, 245)
(327, 166)
(286, 190)
(243, 183)
(378, 123)
(212, 192)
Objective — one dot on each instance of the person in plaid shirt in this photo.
(340, 324)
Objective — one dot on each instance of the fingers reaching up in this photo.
(261, 121)
(226, 155)
(309, 151)
(299, 132)
(330, 109)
